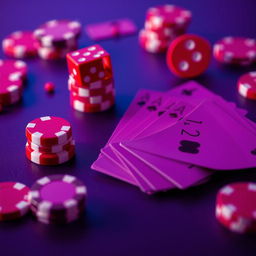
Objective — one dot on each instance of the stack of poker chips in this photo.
(91, 82)
(57, 199)
(56, 38)
(12, 77)
(49, 141)
(163, 24)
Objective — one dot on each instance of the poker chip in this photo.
(236, 207)
(235, 50)
(48, 53)
(50, 158)
(59, 33)
(14, 69)
(20, 44)
(48, 131)
(98, 105)
(188, 56)
(100, 90)
(53, 149)
(14, 201)
(10, 88)
(152, 43)
(168, 16)
(162, 25)
(247, 85)
(58, 199)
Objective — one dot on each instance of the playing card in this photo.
(110, 29)
(154, 179)
(207, 137)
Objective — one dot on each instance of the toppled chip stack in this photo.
(91, 82)
(56, 38)
(58, 199)
(163, 24)
(49, 141)
(12, 77)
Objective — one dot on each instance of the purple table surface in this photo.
(120, 219)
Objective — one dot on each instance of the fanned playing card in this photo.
(177, 139)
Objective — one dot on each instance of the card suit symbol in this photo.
(160, 113)
(253, 152)
(188, 146)
(151, 108)
(141, 103)
(174, 115)
(187, 92)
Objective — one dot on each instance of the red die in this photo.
(89, 64)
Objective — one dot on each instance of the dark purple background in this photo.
(120, 219)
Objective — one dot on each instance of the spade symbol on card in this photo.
(160, 113)
(151, 108)
(174, 115)
(188, 92)
(188, 146)
(253, 152)
(141, 103)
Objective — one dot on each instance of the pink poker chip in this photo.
(48, 131)
(152, 43)
(235, 50)
(14, 200)
(20, 44)
(58, 33)
(50, 158)
(247, 85)
(168, 15)
(236, 207)
(10, 89)
(13, 68)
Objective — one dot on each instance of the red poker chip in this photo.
(60, 33)
(236, 207)
(50, 158)
(20, 44)
(247, 85)
(188, 56)
(80, 105)
(102, 88)
(14, 202)
(10, 88)
(48, 131)
(168, 16)
(53, 149)
(235, 50)
(151, 43)
(13, 69)
(94, 100)
(49, 53)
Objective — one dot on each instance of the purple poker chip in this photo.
(59, 33)
(57, 194)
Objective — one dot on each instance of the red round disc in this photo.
(188, 56)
